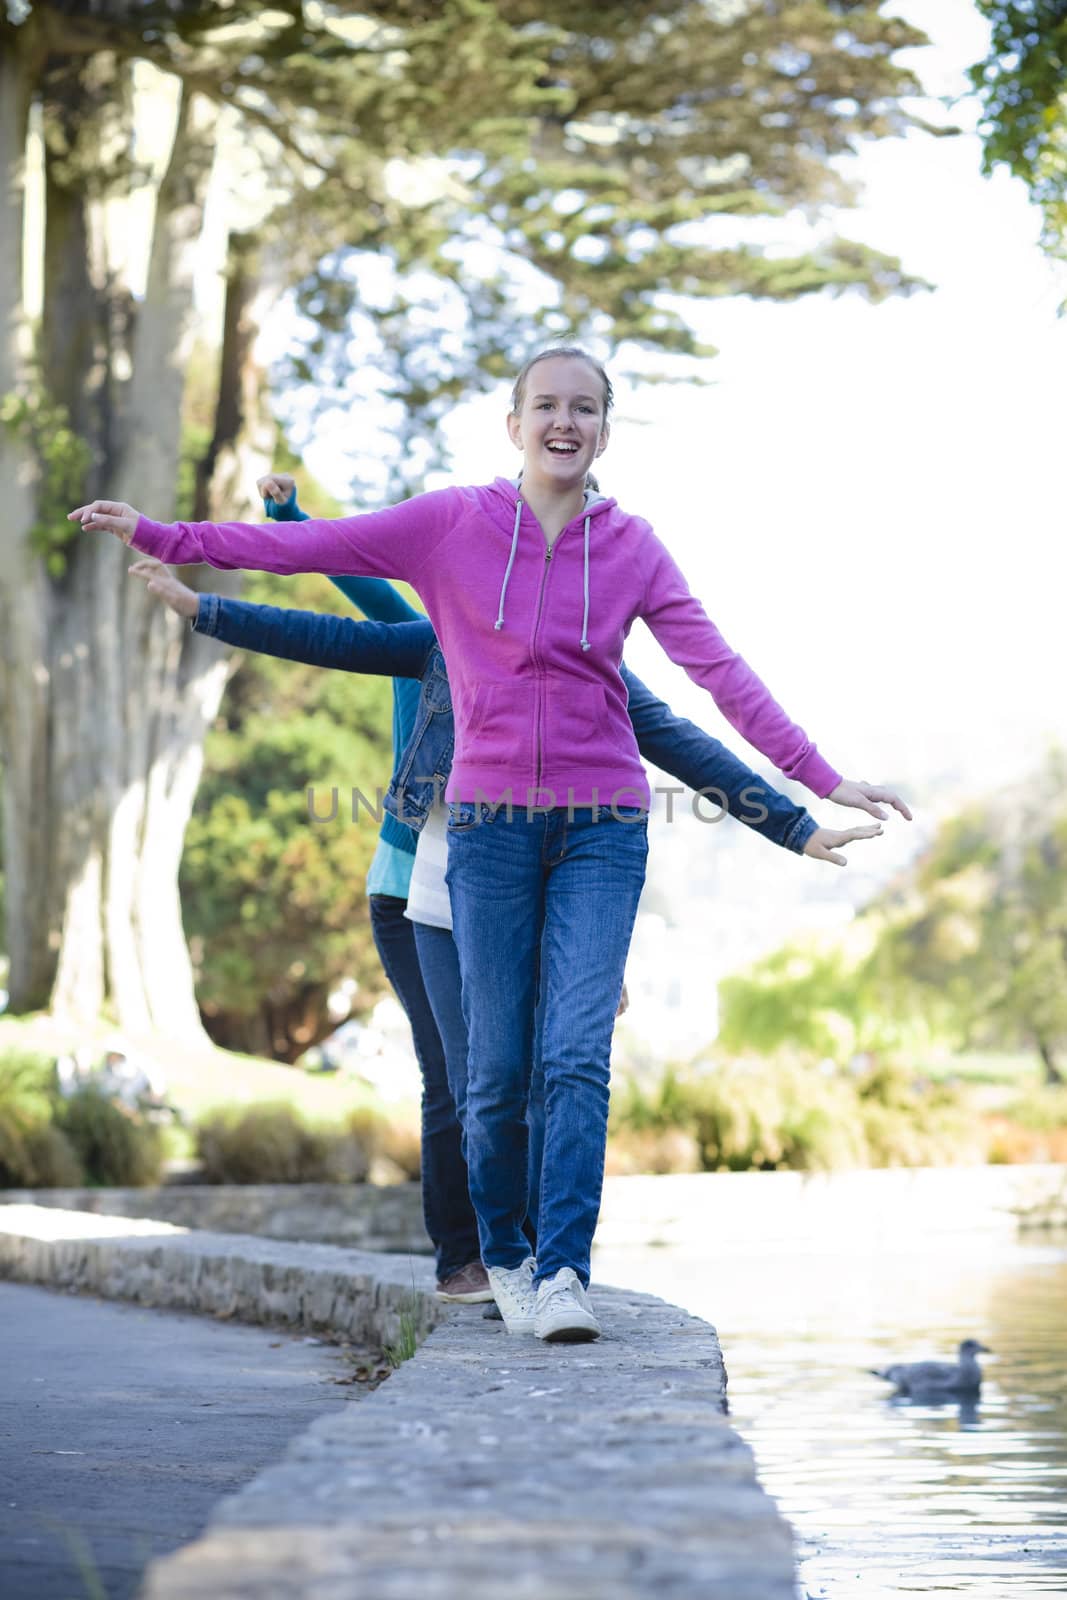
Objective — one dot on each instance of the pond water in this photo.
(891, 1498)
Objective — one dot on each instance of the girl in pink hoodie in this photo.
(532, 588)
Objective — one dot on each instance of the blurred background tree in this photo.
(968, 949)
(1022, 84)
(511, 171)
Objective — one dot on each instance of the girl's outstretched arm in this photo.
(160, 581)
(678, 747)
(392, 650)
(392, 543)
(705, 765)
(690, 638)
(825, 843)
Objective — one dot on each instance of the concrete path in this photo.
(121, 1429)
(486, 1466)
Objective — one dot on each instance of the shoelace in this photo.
(561, 1291)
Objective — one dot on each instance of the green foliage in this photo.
(590, 172)
(27, 1082)
(116, 1147)
(1043, 1110)
(397, 1141)
(48, 1142)
(968, 949)
(63, 459)
(407, 1340)
(275, 908)
(33, 1153)
(1023, 88)
(53, 1161)
(977, 933)
(780, 1116)
(273, 1143)
(3, 905)
(910, 1123)
(827, 999)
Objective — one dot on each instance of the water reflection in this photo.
(895, 1495)
(967, 1411)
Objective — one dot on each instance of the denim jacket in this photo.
(410, 650)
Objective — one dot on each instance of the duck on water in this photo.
(930, 1378)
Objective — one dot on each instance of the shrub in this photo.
(766, 1116)
(34, 1154)
(115, 1146)
(823, 1137)
(1032, 1128)
(400, 1143)
(655, 1150)
(915, 1123)
(27, 1083)
(53, 1160)
(272, 1143)
(1043, 1110)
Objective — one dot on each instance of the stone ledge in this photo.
(741, 1210)
(364, 1296)
(486, 1465)
(357, 1216)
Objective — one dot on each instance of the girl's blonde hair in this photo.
(518, 393)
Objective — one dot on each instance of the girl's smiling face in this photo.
(561, 426)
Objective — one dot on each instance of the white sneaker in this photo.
(563, 1314)
(513, 1292)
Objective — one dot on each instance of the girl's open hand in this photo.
(114, 516)
(276, 486)
(865, 797)
(826, 842)
(159, 580)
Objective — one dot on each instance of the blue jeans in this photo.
(439, 960)
(565, 888)
(446, 1203)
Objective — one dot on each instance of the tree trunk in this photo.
(24, 688)
(106, 696)
(1053, 1073)
(243, 436)
(171, 678)
(77, 360)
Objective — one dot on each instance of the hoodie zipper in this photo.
(539, 716)
(542, 694)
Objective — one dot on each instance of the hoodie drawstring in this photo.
(585, 591)
(499, 623)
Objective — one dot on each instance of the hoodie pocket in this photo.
(576, 723)
(500, 726)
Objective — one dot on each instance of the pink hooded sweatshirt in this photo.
(533, 638)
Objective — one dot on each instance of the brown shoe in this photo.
(469, 1286)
